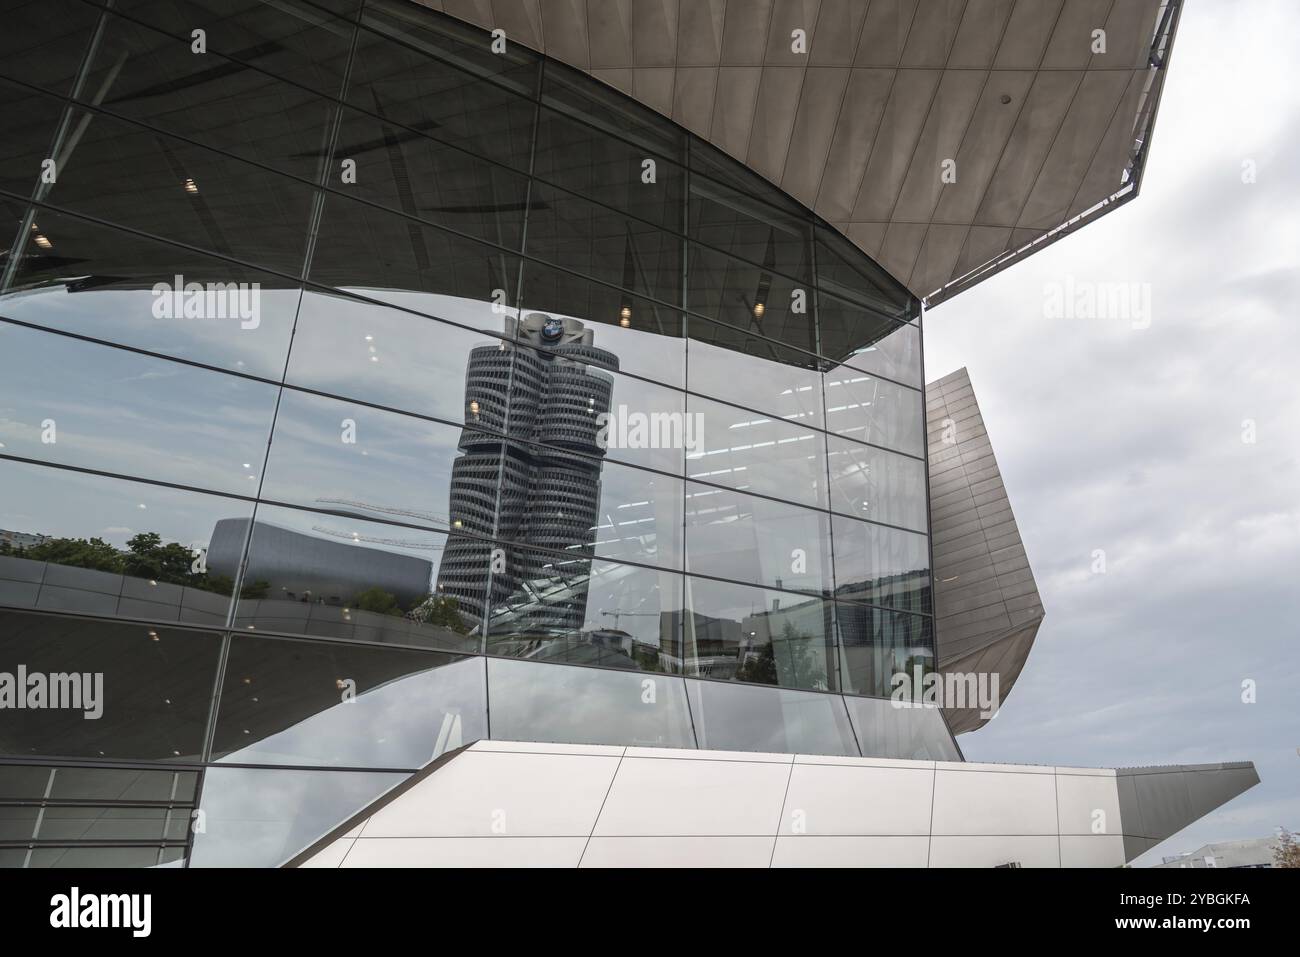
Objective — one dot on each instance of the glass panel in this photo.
(157, 79)
(99, 546)
(849, 273)
(30, 119)
(867, 341)
(732, 221)
(105, 857)
(287, 701)
(775, 720)
(122, 784)
(646, 336)
(304, 42)
(753, 452)
(728, 363)
(587, 612)
(335, 456)
(574, 504)
(709, 161)
(335, 577)
(758, 540)
(880, 486)
(82, 404)
(573, 93)
(361, 350)
(880, 565)
(569, 395)
(257, 817)
(144, 689)
(44, 40)
(736, 632)
(876, 645)
(750, 297)
(585, 160)
(110, 824)
(448, 39)
(868, 409)
(566, 230)
(381, 256)
(169, 188)
(404, 170)
(566, 705)
(405, 83)
(887, 730)
(108, 284)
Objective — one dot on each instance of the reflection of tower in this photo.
(548, 494)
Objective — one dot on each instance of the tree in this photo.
(1287, 852)
(378, 601)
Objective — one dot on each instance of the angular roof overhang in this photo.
(1043, 133)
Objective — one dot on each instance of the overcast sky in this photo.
(1130, 440)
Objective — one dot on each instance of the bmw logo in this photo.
(552, 329)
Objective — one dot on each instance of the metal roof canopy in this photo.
(1045, 134)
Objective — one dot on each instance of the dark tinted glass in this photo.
(380, 255)
(305, 42)
(92, 545)
(733, 221)
(760, 636)
(137, 692)
(30, 118)
(585, 160)
(287, 701)
(606, 109)
(534, 702)
(135, 177)
(844, 271)
(234, 106)
(567, 230)
(421, 177)
(408, 78)
(44, 41)
(101, 282)
(750, 297)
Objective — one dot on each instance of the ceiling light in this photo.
(191, 186)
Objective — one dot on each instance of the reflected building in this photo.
(529, 471)
(594, 413)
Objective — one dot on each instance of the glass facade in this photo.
(347, 366)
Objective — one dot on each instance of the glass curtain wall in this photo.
(339, 351)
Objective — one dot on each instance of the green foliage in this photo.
(378, 601)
